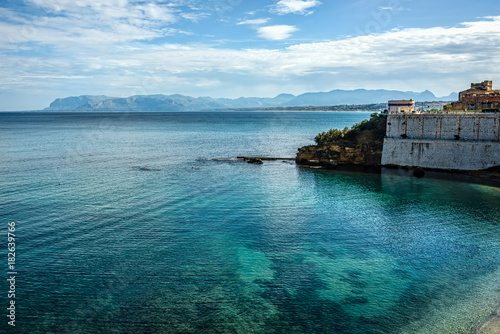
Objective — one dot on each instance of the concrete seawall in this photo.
(443, 141)
(441, 154)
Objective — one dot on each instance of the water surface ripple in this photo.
(145, 223)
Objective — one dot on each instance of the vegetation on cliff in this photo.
(373, 128)
(360, 145)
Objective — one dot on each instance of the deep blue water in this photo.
(145, 223)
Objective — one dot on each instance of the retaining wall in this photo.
(443, 141)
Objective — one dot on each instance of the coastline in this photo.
(364, 146)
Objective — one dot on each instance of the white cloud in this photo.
(194, 17)
(446, 50)
(392, 9)
(56, 77)
(295, 7)
(276, 32)
(255, 21)
(72, 5)
(87, 24)
(157, 13)
(406, 59)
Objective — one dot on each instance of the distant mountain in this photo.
(362, 96)
(74, 102)
(160, 102)
(256, 102)
(177, 102)
(452, 97)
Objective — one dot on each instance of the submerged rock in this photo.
(257, 161)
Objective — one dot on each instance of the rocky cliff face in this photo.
(338, 156)
(359, 147)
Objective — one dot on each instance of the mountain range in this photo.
(177, 102)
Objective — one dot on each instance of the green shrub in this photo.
(330, 136)
(376, 125)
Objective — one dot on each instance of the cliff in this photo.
(360, 146)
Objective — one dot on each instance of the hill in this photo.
(363, 96)
(177, 102)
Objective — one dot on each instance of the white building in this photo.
(396, 106)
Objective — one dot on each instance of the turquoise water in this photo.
(145, 223)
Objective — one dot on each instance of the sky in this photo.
(233, 48)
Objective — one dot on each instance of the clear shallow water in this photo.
(147, 233)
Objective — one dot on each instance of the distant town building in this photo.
(480, 96)
(396, 106)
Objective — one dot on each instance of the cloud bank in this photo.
(120, 49)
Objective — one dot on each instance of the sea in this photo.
(147, 223)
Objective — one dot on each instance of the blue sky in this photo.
(233, 48)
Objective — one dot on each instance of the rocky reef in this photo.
(357, 148)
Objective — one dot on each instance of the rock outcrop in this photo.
(340, 155)
(359, 147)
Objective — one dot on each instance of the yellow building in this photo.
(396, 106)
(480, 96)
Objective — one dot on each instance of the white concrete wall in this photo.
(444, 126)
(430, 141)
(441, 154)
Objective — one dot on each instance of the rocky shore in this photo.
(359, 147)
(340, 156)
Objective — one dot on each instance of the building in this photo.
(480, 97)
(396, 106)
